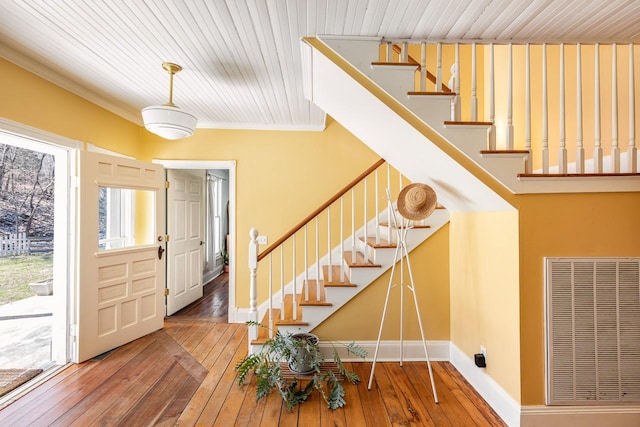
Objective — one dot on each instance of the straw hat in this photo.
(416, 201)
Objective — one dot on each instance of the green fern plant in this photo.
(286, 347)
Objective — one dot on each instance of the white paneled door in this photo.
(185, 249)
(120, 222)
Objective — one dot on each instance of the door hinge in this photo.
(167, 184)
(166, 292)
(166, 238)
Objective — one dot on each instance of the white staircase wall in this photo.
(392, 135)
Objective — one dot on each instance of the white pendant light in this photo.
(169, 121)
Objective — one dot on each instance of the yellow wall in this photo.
(282, 176)
(33, 101)
(360, 318)
(564, 225)
(485, 292)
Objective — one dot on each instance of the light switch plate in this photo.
(262, 240)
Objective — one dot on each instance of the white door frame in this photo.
(63, 150)
(231, 166)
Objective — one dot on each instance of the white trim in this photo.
(501, 402)
(356, 38)
(63, 150)
(231, 166)
(9, 128)
(439, 351)
(562, 416)
(47, 73)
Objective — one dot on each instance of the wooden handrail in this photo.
(324, 206)
(397, 49)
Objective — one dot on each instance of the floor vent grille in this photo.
(593, 330)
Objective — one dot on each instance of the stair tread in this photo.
(576, 175)
(385, 224)
(288, 313)
(382, 244)
(401, 64)
(431, 93)
(360, 261)
(313, 292)
(504, 151)
(461, 123)
(335, 274)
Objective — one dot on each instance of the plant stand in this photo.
(402, 257)
(287, 374)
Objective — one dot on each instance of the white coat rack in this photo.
(401, 258)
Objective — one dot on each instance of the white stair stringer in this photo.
(379, 124)
(363, 276)
(393, 133)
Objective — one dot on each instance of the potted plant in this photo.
(302, 356)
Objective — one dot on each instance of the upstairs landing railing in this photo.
(572, 106)
(333, 233)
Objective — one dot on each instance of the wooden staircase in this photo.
(317, 298)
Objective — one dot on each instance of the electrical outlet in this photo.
(262, 240)
(483, 351)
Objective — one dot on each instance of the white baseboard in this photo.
(238, 315)
(389, 351)
(501, 402)
(583, 416)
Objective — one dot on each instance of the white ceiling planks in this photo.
(241, 59)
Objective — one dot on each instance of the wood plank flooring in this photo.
(184, 375)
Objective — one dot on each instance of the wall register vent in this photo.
(593, 330)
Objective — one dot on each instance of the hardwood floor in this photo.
(184, 375)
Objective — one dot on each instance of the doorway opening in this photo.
(217, 225)
(34, 212)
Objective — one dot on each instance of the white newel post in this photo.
(253, 283)
(492, 98)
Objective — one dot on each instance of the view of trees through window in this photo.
(26, 220)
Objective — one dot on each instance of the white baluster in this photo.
(404, 54)
(253, 283)
(377, 200)
(270, 294)
(366, 227)
(353, 225)
(545, 113)
(318, 251)
(294, 303)
(439, 68)
(306, 265)
(329, 260)
(615, 149)
(632, 153)
(509, 132)
(390, 201)
(474, 90)
(528, 165)
(423, 67)
(492, 99)
(597, 151)
(562, 153)
(456, 88)
(341, 242)
(282, 281)
(389, 52)
(579, 137)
